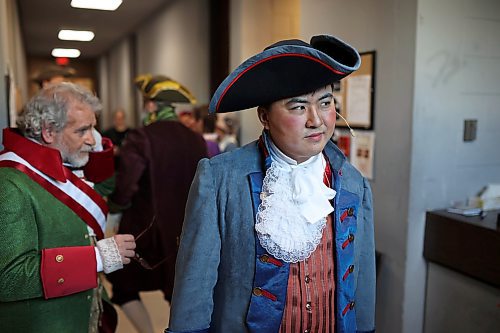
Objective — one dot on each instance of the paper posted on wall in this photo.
(362, 151)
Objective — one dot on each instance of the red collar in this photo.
(43, 158)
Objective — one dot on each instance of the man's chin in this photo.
(79, 161)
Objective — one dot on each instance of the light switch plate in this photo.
(470, 130)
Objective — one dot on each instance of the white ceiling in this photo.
(41, 21)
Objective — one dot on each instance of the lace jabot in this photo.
(294, 206)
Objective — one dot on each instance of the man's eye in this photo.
(299, 107)
(326, 103)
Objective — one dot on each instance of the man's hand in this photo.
(126, 246)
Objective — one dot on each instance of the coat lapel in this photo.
(271, 278)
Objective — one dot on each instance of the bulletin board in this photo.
(355, 95)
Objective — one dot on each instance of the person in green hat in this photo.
(157, 165)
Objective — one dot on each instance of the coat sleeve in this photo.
(365, 292)
(133, 162)
(198, 258)
(25, 271)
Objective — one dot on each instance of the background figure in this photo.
(53, 74)
(200, 121)
(118, 132)
(227, 127)
(157, 166)
(52, 222)
(278, 235)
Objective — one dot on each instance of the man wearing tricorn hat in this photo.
(53, 74)
(157, 165)
(278, 235)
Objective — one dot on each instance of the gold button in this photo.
(86, 236)
(308, 306)
(307, 279)
(89, 297)
(59, 258)
(257, 291)
(60, 281)
(263, 195)
(264, 258)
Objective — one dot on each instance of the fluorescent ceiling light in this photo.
(96, 4)
(80, 35)
(69, 53)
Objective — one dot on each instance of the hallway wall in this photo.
(115, 83)
(457, 70)
(437, 64)
(388, 27)
(176, 43)
(12, 59)
(254, 26)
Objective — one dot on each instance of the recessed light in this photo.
(96, 4)
(79, 35)
(70, 53)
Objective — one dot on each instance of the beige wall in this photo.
(12, 60)
(176, 43)
(254, 25)
(115, 83)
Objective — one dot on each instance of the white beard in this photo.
(74, 159)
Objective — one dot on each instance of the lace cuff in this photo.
(111, 258)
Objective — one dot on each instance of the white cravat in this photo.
(294, 206)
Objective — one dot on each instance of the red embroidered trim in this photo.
(274, 261)
(267, 294)
(349, 239)
(348, 307)
(343, 216)
(348, 271)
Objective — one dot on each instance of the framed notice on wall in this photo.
(356, 93)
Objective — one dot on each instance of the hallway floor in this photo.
(157, 307)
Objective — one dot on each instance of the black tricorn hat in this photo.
(164, 89)
(285, 69)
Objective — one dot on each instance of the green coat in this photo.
(31, 219)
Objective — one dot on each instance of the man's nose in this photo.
(89, 138)
(313, 118)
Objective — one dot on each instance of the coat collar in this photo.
(45, 159)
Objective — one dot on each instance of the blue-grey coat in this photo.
(218, 265)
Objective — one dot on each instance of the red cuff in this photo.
(68, 270)
(101, 165)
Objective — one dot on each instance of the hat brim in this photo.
(54, 71)
(174, 96)
(285, 71)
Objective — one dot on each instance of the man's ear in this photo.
(263, 116)
(48, 135)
